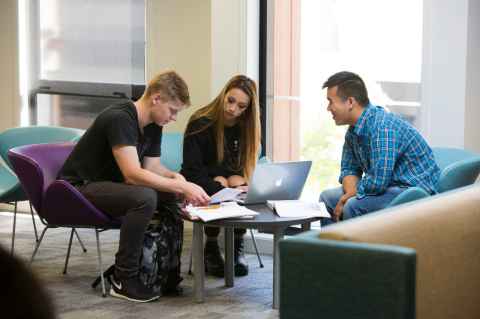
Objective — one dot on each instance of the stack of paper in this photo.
(298, 208)
(220, 211)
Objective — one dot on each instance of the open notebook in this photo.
(220, 211)
(298, 208)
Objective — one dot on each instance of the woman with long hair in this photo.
(220, 149)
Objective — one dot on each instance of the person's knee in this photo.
(235, 181)
(147, 198)
(324, 196)
(353, 208)
(331, 196)
(222, 180)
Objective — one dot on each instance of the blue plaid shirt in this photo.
(387, 151)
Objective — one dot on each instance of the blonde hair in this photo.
(249, 123)
(171, 87)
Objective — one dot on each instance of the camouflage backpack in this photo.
(162, 247)
(161, 252)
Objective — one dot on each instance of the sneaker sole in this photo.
(113, 293)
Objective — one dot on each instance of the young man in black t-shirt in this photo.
(116, 165)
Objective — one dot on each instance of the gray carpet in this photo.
(74, 298)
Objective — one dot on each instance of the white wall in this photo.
(450, 78)
(178, 37)
(231, 52)
(205, 41)
(472, 114)
(9, 87)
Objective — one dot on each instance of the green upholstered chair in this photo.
(408, 195)
(458, 167)
(10, 190)
(172, 151)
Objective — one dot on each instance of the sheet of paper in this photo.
(225, 195)
(220, 211)
(298, 208)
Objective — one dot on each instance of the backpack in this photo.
(162, 247)
(161, 252)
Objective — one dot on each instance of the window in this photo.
(79, 54)
(313, 39)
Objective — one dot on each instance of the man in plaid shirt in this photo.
(382, 155)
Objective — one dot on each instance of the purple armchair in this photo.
(57, 202)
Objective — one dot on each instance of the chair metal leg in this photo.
(33, 221)
(14, 225)
(256, 249)
(68, 251)
(37, 245)
(80, 241)
(100, 268)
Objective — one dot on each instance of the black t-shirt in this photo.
(92, 158)
(200, 155)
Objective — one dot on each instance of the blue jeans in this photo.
(356, 207)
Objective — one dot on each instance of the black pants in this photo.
(136, 204)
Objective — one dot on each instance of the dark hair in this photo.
(24, 295)
(348, 85)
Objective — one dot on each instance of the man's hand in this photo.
(338, 212)
(179, 177)
(349, 184)
(194, 194)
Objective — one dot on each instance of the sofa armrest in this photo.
(341, 279)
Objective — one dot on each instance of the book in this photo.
(220, 211)
(298, 208)
(225, 195)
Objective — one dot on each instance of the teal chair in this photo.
(172, 151)
(458, 167)
(10, 190)
(409, 195)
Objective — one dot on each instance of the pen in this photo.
(209, 207)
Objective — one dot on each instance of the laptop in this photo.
(276, 181)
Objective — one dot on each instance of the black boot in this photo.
(214, 263)
(240, 264)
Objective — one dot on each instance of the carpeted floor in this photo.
(74, 298)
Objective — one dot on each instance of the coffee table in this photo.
(266, 220)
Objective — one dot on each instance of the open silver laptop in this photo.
(276, 181)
